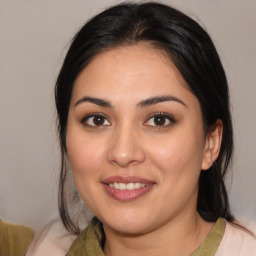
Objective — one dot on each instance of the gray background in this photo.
(34, 37)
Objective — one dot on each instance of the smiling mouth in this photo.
(126, 189)
(127, 186)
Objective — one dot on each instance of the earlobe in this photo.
(212, 145)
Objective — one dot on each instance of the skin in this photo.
(128, 142)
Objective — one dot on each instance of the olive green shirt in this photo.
(14, 239)
(91, 240)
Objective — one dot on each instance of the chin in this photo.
(128, 229)
(129, 225)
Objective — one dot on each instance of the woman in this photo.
(144, 123)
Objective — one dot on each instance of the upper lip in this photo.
(126, 180)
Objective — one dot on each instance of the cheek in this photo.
(85, 155)
(178, 161)
(180, 154)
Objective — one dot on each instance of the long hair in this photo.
(193, 53)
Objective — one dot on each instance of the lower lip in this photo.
(127, 195)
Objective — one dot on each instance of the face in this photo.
(135, 140)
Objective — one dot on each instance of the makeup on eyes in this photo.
(155, 120)
(160, 120)
(160, 115)
(95, 119)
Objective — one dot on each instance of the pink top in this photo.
(236, 242)
(55, 241)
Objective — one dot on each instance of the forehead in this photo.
(137, 70)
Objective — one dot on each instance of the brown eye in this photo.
(160, 120)
(96, 120)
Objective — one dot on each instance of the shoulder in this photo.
(53, 240)
(237, 241)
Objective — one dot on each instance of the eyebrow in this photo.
(97, 101)
(142, 104)
(159, 99)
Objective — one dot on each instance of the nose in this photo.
(126, 148)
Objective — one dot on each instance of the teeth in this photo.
(128, 186)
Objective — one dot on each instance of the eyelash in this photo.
(93, 115)
(166, 117)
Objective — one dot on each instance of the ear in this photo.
(212, 145)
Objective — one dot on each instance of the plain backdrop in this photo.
(34, 36)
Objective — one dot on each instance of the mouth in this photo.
(127, 189)
(128, 186)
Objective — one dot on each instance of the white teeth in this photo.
(138, 185)
(128, 186)
(122, 186)
(116, 185)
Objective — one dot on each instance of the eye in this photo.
(96, 120)
(160, 120)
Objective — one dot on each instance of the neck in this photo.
(181, 236)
